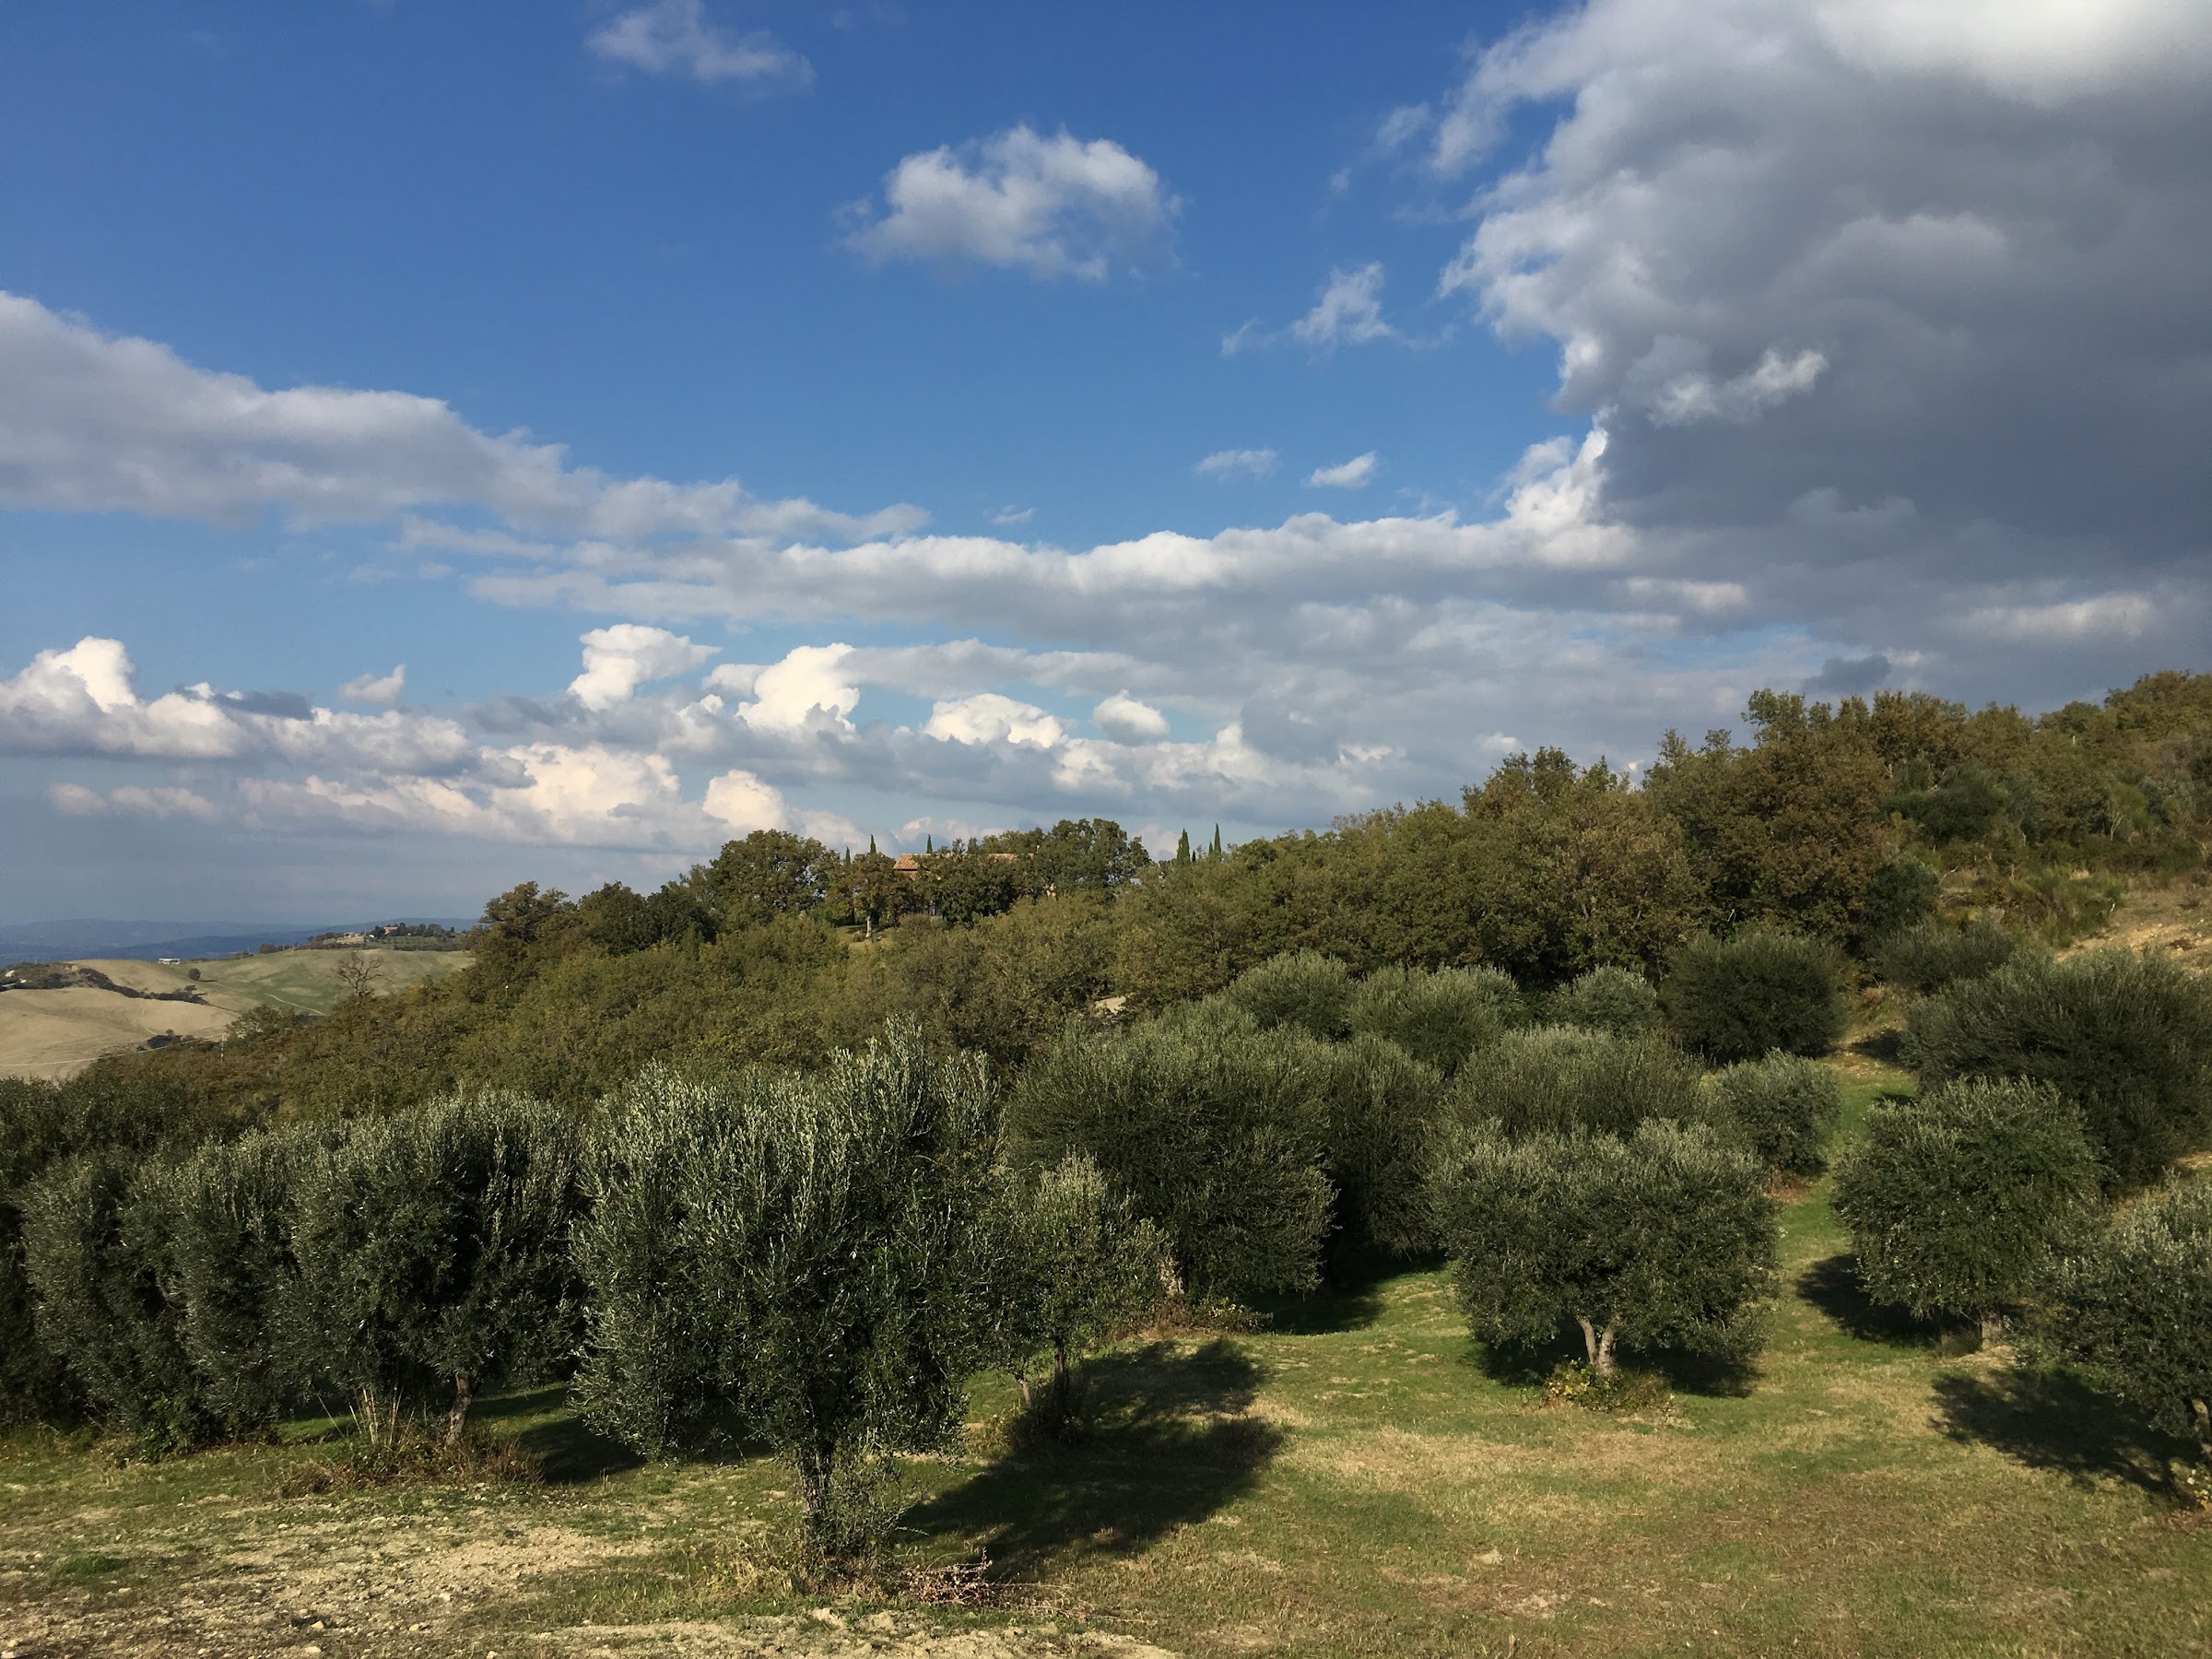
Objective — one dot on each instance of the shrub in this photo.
(1383, 1108)
(1304, 989)
(2127, 1039)
(1958, 1202)
(1927, 957)
(1083, 1271)
(2134, 1310)
(1901, 895)
(1737, 998)
(1784, 1108)
(808, 1262)
(229, 1267)
(1559, 1080)
(1665, 1238)
(94, 1230)
(1440, 1018)
(1610, 999)
(432, 1250)
(1216, 1131)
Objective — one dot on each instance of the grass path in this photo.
(1357, 1479)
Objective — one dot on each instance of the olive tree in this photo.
(432, 1252)
(1082, 1270)
(1304, 989)
(1935, 954)
(2127, 1039)
(1662, 1238)
(1216, 1131)
(1557, 1079)
(2133, 1310)
(1784, 1107)
(1739, 997)
(1384, 1107)
(1610, 999)
(1959, 1200)
(1439, 1018)
(814, 1263)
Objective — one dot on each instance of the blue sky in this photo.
(1659, 352)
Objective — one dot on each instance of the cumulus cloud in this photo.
(619, 659)
(674, 37)
(1057, 206)
(98, 423)
(1355, 474)
(129, 799)
(988, 717)
(808, 687)
(388, 690)
(1350, 311)
(1129, 719)
(1237, 464)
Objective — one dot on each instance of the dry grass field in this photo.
(1356, 1478)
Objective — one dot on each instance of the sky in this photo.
(444, 443)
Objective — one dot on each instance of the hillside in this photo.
(58, 1033)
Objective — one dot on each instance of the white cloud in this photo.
(673, 37)
(1774, 379)
(131, 799)
(1355, 474)
(988, 717)
(1237, 462)
(2106, 616)
(809, 687)
(619, 659)
(1057, 206)
(1350, 311)
(1008, 517)
(388, 690)
(1129, 720)
(100, 423)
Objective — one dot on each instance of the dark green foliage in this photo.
(1439, 1018)
(811, 1264)
(229, 1267)
(95, 1234)
(2133, 1310)
(1927, 957)
(1383, 1109)
(768, 873)
(432, 1250)
(1216, 1131)
(1083, 1270)
(1559, 1080)
(2125, 1037)
(1610, 999)
(1958, 1202)
(1967, 804)
(1784, 1108)
(1665, 1238)
(1903, 895)
(1305, 990)
(1740, 997)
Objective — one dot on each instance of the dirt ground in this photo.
(58, 1033)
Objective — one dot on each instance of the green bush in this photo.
(1216, 1131)
(1383, 1107)
(1083, 1271)
(1559, 1079)
(433, 1252)
(1784, 1107)
(1738, 998)
(1901, 895)
(2127, 1039)
(2133, 1310)
(1664, 1239)
(230, 1268)
(1934, 954)
(1610, 999)
(1438, 1017)
(1959, 1200)
(1304, 989)
(95, 1231)
(811, 1263)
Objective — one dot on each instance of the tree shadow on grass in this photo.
(1832, 1286)
(536, 1422)
(2055, 1421)
(1169, 1439)
(1531, 1364)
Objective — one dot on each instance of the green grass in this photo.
(305, 981)
(1359, 1478)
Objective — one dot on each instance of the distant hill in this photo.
(90, 938)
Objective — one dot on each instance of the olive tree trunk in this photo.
(1600, 1345)
(456, 1414)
